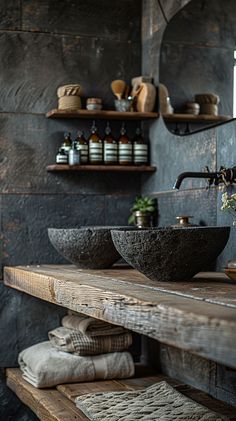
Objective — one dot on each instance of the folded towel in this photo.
(158, 402)
(90, 326)
(69, 340)
(45, 366)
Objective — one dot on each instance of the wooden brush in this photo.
(118, 87)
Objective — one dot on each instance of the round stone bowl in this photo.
(86, 247)
(171, 254)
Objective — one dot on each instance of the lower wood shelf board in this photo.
(57, 404)
(101, 168)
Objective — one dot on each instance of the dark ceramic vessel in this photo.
(86, 247)
(171, 254)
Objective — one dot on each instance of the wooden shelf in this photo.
(100, 168)
(191, 118)
(198, 316)
(103, 114)
(59, 403)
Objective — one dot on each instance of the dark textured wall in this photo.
(45, 44)
(203, 37)
(175, 154)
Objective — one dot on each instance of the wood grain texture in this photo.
(125, 297)
(103, 114)
(49, 405)
(101, 168)
(57, 404)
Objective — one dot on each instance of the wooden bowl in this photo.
(231, 273)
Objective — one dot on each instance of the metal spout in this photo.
(226, 176)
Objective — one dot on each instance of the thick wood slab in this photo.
(58, 404)
(199, 316)
(48, 405)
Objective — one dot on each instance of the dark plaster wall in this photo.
(197, 52)
(175, 154)
(44, 44)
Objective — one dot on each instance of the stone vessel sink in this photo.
(86, 247)
(171, 254)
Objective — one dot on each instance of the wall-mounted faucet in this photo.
(226, 176)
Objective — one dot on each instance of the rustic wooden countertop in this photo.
(198, 316)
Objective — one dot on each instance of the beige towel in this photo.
(158, 402)
(70, 340)
(45, 366)
(90, 326)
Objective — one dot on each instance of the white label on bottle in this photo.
(110, 152)
(140, 147)
(82, 147)
(125, 147)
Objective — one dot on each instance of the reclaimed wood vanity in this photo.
(193, 321)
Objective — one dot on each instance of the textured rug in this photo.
(158, 402)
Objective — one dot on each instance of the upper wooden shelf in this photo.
(198, 316)
(191, 118)
(103, 114)
(101, 168)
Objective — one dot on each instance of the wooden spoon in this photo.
(118, 87)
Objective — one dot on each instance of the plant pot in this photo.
(143, 219)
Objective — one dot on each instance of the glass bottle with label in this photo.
(74, 155)
(95, 146)
(82, 146)
(140, 149)
(61, 157)
(125, 148)
(110, 147)
(67, 143)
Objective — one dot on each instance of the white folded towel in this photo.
(45, 366)
(90, 326)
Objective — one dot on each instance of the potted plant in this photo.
(142, 212)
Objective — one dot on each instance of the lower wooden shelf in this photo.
(57, 404)
(101, 168)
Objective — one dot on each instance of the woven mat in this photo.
(158, 402)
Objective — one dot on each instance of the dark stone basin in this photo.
(86, 247)
(171, 254)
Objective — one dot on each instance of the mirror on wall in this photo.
(198, 55)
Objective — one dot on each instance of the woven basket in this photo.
(69, 90)
(69, 103)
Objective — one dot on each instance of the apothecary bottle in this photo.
(125, 148)
(140, 149)
(61, 157)
(67, 143)
(74, 155)
(82, 146)
(95, 146)
(110, 147)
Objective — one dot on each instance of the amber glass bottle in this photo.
(82, 146)
(67, 143)
(140, 149)
(95, 147)
(110, 147)
(125, 148)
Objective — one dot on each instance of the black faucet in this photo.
(226, 176)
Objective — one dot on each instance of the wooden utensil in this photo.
(118, 87)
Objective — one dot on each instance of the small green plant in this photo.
(142, 204)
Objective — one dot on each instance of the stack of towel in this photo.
(82, 349)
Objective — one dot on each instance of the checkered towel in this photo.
(90, 326)
(72, 341)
